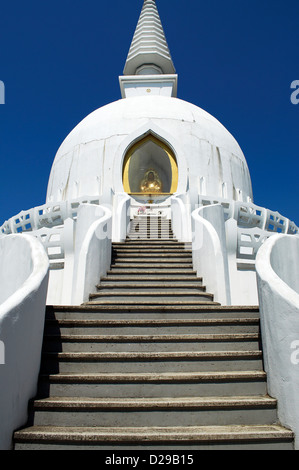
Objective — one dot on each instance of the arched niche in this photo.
(150, 168)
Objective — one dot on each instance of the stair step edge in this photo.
(227, 433)
(206, 355)
(171, 377)
(153, 403)
(157, 338)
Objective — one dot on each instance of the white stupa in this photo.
(153, 153)
(106, 157)
(205, 158)
(196, 160)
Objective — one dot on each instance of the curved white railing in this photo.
(249, 215)
(24, 280)
(121, 216)
(55, 225)
(181, 217)
(278, 287)
(92, 251)
(209, 251)
(247, 227)
(46, 216)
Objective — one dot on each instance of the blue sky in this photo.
(60, 61)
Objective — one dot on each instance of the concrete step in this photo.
(196, 411)
(146, 248)
(151, 233)
(151, 229)
(77, 342)
(152, 254)
(131, 362)
(148, 270)
(150, 284)
(150, 290)
(152, 327)
(149, 226)
(118, 288)
(173, 243)
(146, 226)
(154, 261)
(151, 296)
(153, 278)
(147, 237)
(143, 266)
(237, 437)
(134, 253)
(149, 302)
(155, 385)
(151, 221)
(152, 312)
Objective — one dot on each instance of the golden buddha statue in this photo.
(151, 183)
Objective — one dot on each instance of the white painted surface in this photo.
(49, 215)
(149, 45)
(247, 226)
(23, 287)
(202, 146)
(181, 217)
(59, 245)
(241, 252)
(121, 217)
(209, 251)
(93, 250)
(249, 215)
(278, 286)
(139, 85)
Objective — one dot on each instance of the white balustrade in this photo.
(45, 216)
(255, 224)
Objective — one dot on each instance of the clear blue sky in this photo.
(60, 61)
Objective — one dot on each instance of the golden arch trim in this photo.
(168, 151)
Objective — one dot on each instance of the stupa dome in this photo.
(91, 159)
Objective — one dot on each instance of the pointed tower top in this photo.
(149, 53)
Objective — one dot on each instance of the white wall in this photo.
(92, 256)
(67, 243)
(59, 244)
(209, 251)
(181, 217)
(23, 290)
(121, 216)
(241, 267)
(278, 287)
(15, 266)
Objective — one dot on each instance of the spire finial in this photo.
(149, 46)
(149, 68)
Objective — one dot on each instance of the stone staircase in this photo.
(152, 362)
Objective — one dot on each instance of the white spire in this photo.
(149, 50)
